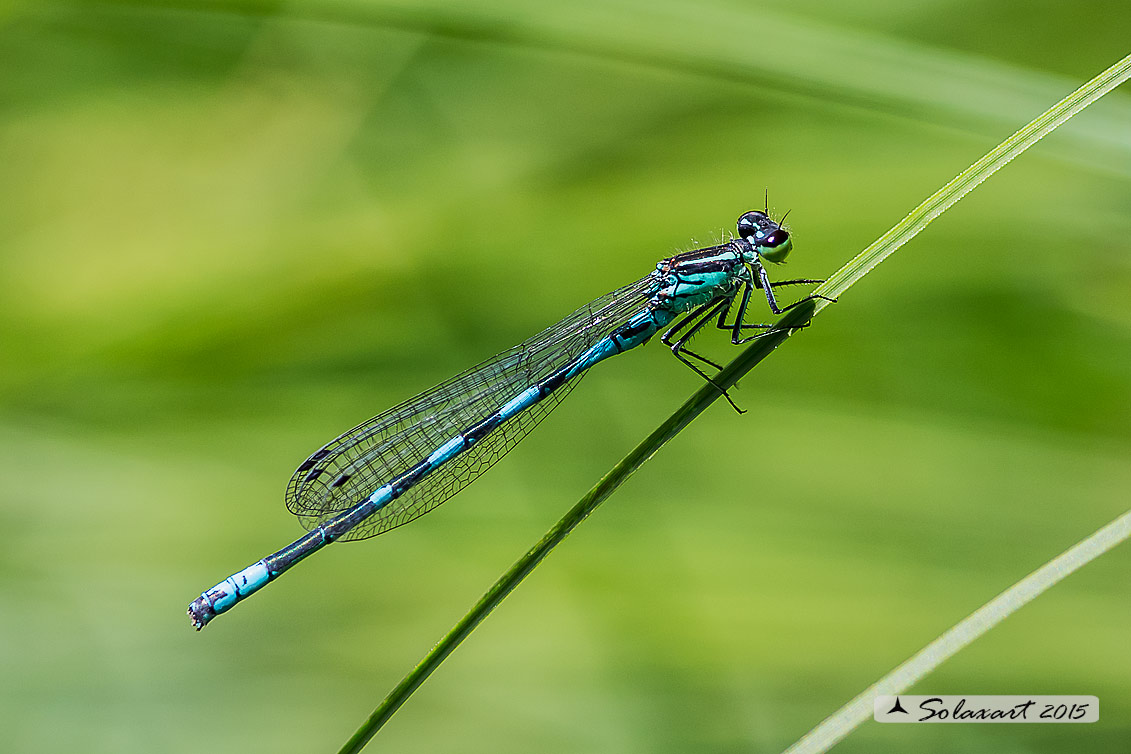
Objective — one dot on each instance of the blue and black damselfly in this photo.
(405, 462)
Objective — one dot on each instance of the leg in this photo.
(666, 338)
(716, 385)
(679, 346)
(722, 325)
(704, 359)
(704, 314)
(799, 281)
(738, 325)
(766, 286)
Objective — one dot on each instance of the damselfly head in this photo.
(769, 239)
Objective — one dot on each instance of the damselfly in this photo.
(406, 461)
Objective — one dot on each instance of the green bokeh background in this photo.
(231, 230)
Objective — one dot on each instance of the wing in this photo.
(346, 471)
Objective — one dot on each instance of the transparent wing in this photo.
(347, 470)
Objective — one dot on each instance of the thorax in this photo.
(693, 278)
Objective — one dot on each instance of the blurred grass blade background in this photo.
(843, 64)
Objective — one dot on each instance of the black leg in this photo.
(666, 338)
(721, 323)
(799, 281)
(717, 386)
(738, 325)
(717, 308)
(755, 336)
(704, 314)
(766, 286)
(704, 359)
(740, 318)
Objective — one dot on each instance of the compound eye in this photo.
(752, 222)
(775, 239)
(775, 247)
